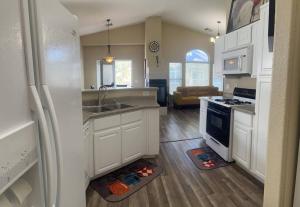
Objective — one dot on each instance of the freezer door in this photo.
(18, 127)
(60, 83)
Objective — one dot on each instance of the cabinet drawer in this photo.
(131, 117)
(243, 118)
(107, 122)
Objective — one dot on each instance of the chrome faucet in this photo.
(103, 96)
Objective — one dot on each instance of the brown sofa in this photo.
(189, 96)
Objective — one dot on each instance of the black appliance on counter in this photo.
(162, 93)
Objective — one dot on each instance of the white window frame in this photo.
(182, 76)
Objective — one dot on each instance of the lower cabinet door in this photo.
(107, 150)
(260, 142)
(86, 157)
(242, 139)
(133, 141)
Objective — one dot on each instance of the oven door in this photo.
(232, 65)
(218, 125)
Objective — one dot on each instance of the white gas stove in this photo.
(219, 120)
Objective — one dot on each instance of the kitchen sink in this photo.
(105, 108)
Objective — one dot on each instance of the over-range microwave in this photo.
(238, 61)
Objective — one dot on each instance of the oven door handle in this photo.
(214, 141)
(217, 112)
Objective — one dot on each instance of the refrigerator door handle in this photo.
(50, 197)
(56, 135)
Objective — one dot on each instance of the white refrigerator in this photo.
(41, 142)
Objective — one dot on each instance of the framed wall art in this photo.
(242, 13)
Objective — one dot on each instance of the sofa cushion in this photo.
(198, 91)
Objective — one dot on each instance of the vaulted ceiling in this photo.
(194, 14)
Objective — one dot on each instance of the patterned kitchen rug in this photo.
(206, 159)
(120, 184)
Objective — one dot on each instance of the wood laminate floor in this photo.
(184, 185)
(179, 125)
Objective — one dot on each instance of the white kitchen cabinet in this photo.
(242, 138)
(120, 139)
(261, 124)
(244, 35)
(257, 41)
(231, 41)
(151, 123)
(88, 152)
(203, 116)
(107, 150)
(267, 56)
(218, 56)
(133, 141)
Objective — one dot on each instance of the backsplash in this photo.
(231, 82)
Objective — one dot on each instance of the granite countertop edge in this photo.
(88, 115)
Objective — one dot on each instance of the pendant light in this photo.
(218, 35)
(109, 58)
(213, 39)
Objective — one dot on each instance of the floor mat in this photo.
(122, 183)
(206, 159)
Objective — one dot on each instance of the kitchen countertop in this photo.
(250, 109)
(137, 103)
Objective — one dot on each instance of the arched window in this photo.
(196, 56)
(197, 68)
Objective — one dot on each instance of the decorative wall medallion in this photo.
(154, 48)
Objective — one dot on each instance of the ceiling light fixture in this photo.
(213, 39)
(218, 35)
(109, 58)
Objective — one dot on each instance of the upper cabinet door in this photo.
(230, 41)
(267, 56)
(244, 36)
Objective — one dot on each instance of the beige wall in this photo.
(127, 43)
(177, 41)
(129, 35)
(130, 52)
(231, 82)
(153, 32)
